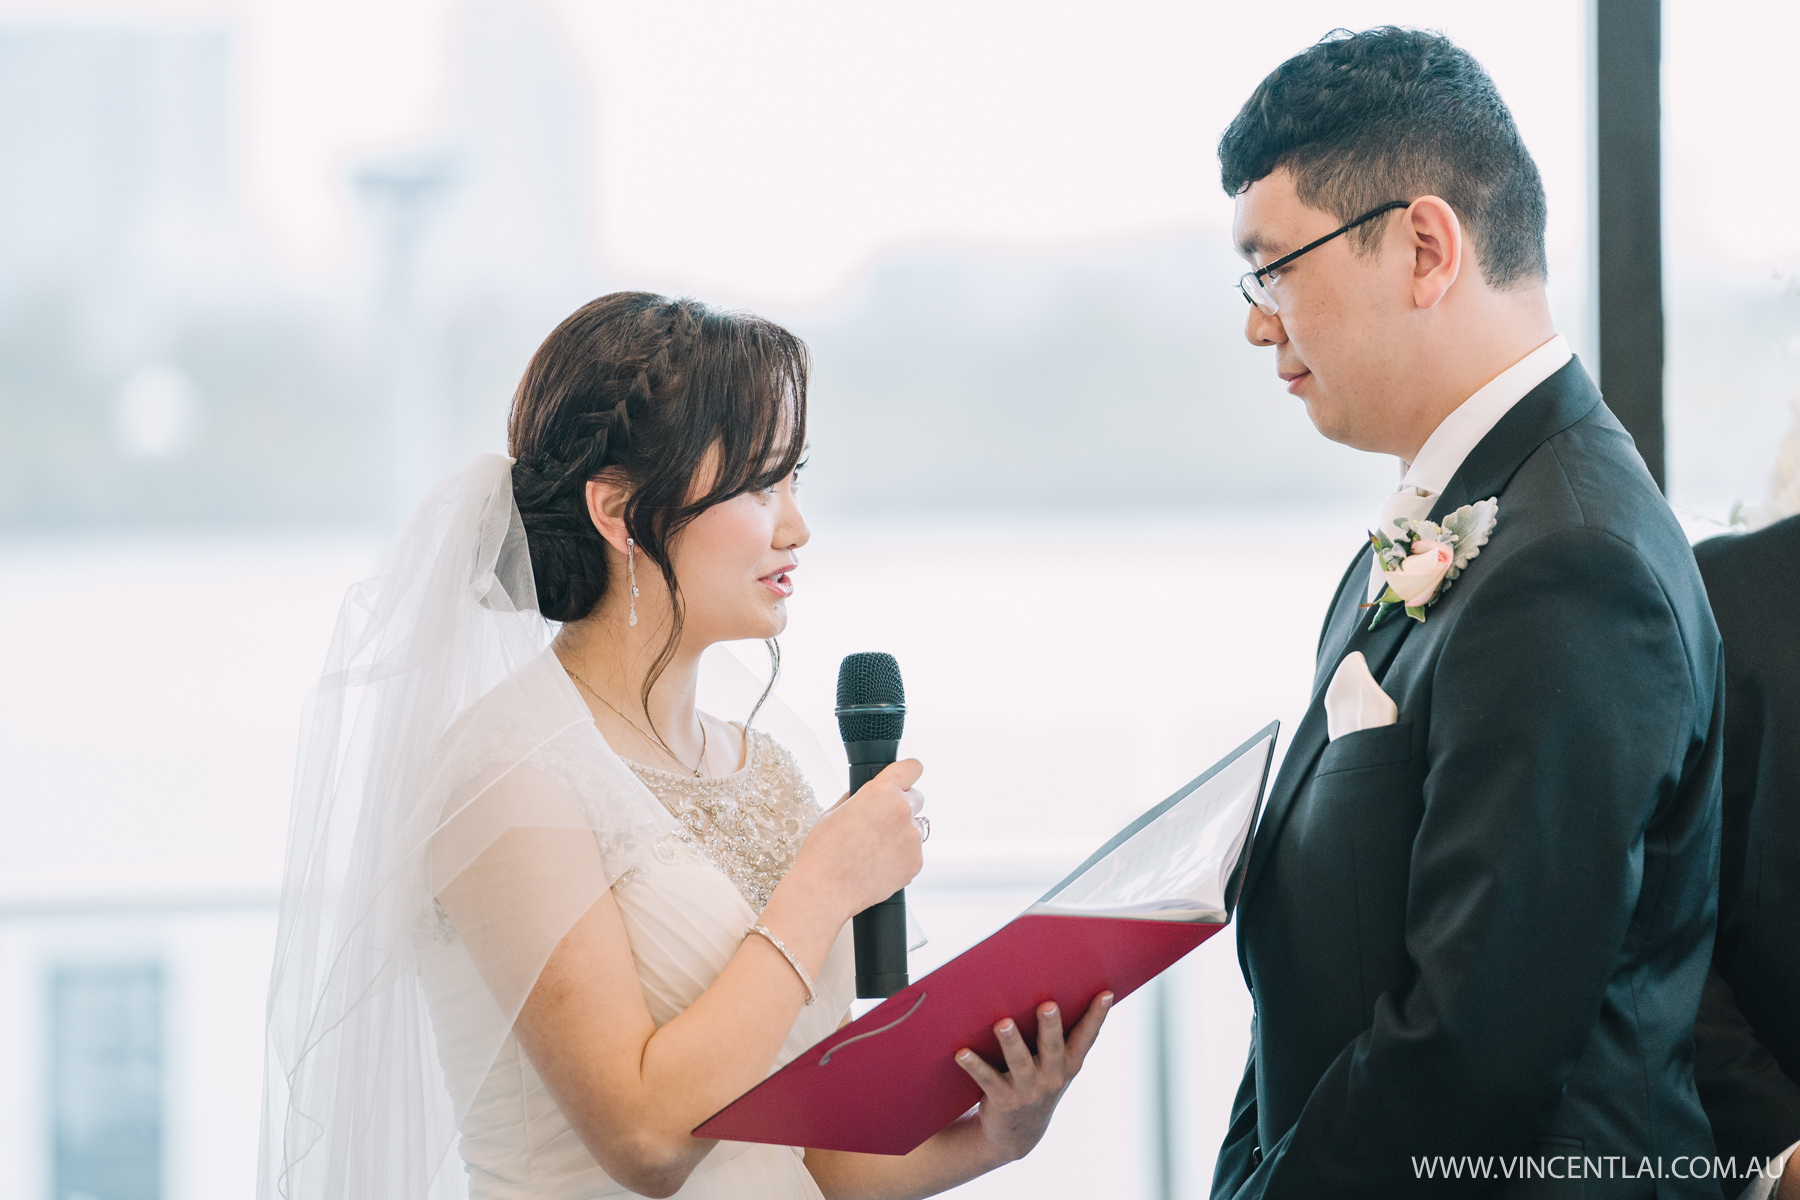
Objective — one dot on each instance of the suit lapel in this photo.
(1378, 646)
(1548, 409)
(1347, 614)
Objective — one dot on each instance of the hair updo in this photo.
(646, 387)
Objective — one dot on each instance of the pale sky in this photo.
(771, 150)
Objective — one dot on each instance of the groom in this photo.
(1480, 905)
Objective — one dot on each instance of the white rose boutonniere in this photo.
(1422, 558)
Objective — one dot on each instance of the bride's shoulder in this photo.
(530, 741)
(519, 717)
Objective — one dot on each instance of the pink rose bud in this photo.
(1440, 553)
(1422, 573)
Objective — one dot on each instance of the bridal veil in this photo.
(455, 812)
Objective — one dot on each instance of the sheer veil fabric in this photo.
(455, 812)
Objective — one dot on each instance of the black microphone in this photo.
(871, 713)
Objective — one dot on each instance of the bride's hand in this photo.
(1016, 1105)
(866, 846)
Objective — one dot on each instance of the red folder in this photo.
(886, 1082)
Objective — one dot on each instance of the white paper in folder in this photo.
(1181, 860)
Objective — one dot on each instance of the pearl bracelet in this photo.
(793, 962)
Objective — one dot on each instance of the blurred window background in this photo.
(107, 1085)
(268, 268)
(1731, 249)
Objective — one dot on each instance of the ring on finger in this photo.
(924, 824)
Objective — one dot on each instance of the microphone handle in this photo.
(880, 929)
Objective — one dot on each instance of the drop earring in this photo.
(631, 577)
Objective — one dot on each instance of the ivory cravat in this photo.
(1407, 502)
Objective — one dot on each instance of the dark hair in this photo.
(647, 387)
(1394, 114)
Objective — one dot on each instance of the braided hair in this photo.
(688, 405)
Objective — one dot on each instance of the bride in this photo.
(541, 913)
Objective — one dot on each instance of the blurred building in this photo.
(150, 370)
(158, 369)
(160, 374)
(157, 365)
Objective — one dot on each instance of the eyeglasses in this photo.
(1256, 289)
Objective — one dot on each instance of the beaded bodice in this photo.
(750, 823)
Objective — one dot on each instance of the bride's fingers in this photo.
(1050, 1033)
(915, 798)
(903, 774)
(990, 1080)
(1081, 1038)
(1012, 1045)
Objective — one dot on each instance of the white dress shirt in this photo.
(1459, 433)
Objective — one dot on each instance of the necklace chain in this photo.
(653, 740)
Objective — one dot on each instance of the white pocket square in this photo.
(1355, 701)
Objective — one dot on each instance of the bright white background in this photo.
(767, 151)
(772, 154)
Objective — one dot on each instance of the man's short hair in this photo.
(1360, 119)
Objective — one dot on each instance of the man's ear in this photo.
(1437, 249)
(606, 497)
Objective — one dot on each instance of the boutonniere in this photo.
(1422, 558)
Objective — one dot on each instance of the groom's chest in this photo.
(1361, 795)
(1335, 891)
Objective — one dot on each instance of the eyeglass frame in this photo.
(1244, 280)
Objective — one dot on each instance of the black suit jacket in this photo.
(1483, 930)
(1747, 1040)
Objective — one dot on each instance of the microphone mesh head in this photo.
(870, 678)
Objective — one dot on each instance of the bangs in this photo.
(747, 406)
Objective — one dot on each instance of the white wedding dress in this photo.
(686, 908)
(455, 812)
